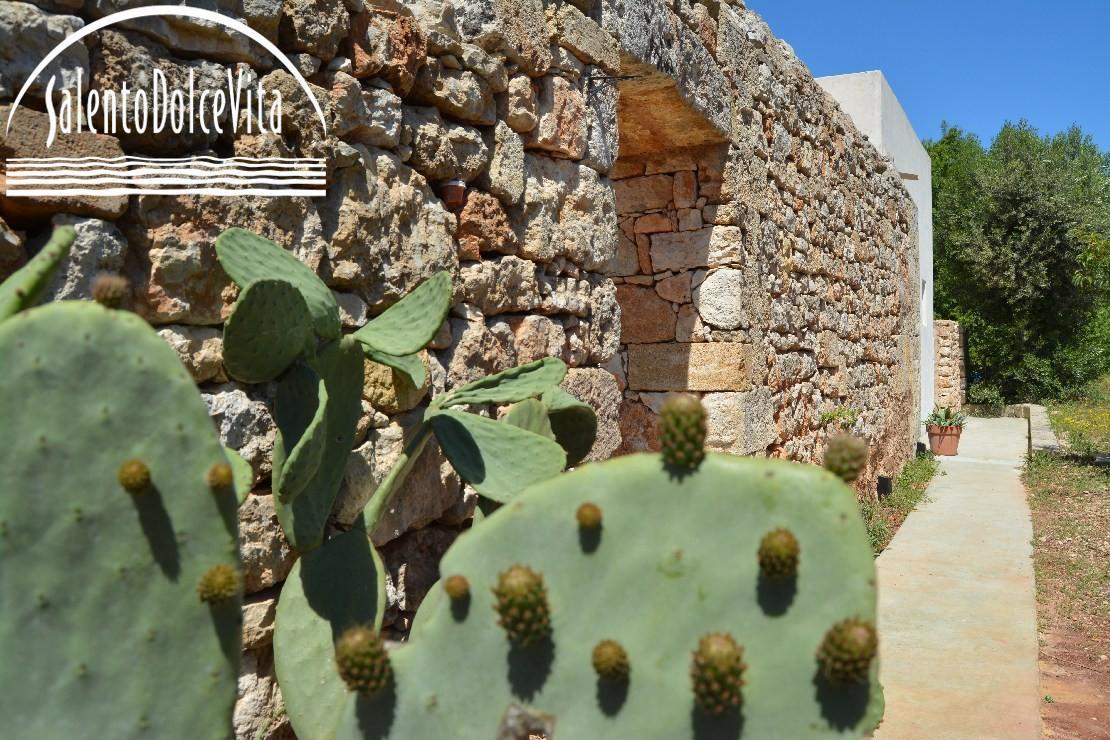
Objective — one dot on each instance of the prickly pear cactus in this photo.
(24, 287)
(120, 576)
(668, 567)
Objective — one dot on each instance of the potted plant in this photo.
(944, 426)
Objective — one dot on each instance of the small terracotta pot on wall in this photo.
(943, 440)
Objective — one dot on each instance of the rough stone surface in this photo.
(689, 367)
(314, 27)
(950, 384)
(505, 175)
(200, 348)
(443, 150)
(515, 28)
(27, 138)
(27, 35)
(645, 317)
(484, 227)
(245, 424)
(12, 253)
(740, 423)
(100, 247)
(389, 45)
(267, 557)
(720, 299)
(457, 93)
(561, 122)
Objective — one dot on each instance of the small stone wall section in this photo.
(951, 378)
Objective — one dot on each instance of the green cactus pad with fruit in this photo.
(674, 562)
(110, 626)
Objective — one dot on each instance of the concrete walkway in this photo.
(957, 608)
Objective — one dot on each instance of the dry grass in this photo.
(884, 517)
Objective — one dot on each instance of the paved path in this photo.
(957, 610)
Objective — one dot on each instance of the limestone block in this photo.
(194, 38)
(625, 261)
(520, 108)
(536, 337)
(645, 317)
(27, 138)
(515, 28)
(457, 93)
(717, 366)
(370, 116)
(392, 392)
(259, 709)
(603, 321)
(475, 352)
(12, 254)
(740, 423)
(505, 175)
(653, 223)
(639, 427)
(267, 556)
(675, 289)
(442, 150)
(490, 68)
(244, 422)
(259, 611)
(561, 120)
(484, 227)
(640, 194)
(602, 134)
(685, 189)
(411, 565)
(314, 27)
(501, 285)
(200, 349)
(586, 39)
(707, 247)
(388, 45)
(720, 299)
(27, 35)
(99, 247)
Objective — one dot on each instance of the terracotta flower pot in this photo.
(943, 440)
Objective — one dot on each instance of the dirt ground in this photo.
(1070, 499)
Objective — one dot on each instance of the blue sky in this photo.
(973, 63)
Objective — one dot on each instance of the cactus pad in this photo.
(330, 590)
(247, 257)
(24, 287)
(339, 364)
(99, 587)
(666, 572)
(408, 325)
(269, 328)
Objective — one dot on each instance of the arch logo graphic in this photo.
(239, 103)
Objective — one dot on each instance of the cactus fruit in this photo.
(85, 389)
(846, 652)
(220, 476)
(457, 587)
(717, 672)
(109, 289)
(134, 476)
(522, 605)
(610, 661)
(218, 584)
(682, 432)
(588, 516)
(778, 555)
(846, 457)
(362, 660)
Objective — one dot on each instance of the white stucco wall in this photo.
(868, 98)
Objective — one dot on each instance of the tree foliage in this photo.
(1022, 257)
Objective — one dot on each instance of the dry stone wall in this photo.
(670, 161)
(950, 386)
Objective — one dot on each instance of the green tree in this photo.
(1022, 257)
